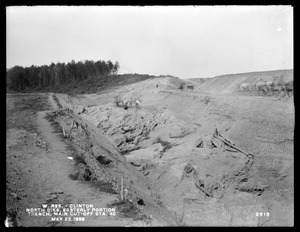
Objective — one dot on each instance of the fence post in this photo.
(122, 188)
(64, 130)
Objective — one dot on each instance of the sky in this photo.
(183, 41)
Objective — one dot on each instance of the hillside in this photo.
(230, 83)
(198, 80)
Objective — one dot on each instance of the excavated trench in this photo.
(99, 163)
(207, 181)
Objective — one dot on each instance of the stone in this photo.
(189, 168)
(14, 195)
(79, 109)
(199, 142)
(51, 197)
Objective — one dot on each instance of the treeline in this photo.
(19, 78)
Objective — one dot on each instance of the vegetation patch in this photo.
(32, 103)
(128, 209)
(71, 78)
(81, 173)
(49, 117)
(103, 160)
(57, 101)
(104, 186)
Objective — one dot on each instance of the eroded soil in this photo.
(184, 158)
(39, 172)
(205, 180)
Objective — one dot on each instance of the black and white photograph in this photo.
(150, 116)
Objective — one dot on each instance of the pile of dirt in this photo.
(235, 173)
(126, 128)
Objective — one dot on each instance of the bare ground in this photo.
(193, 159)
(159, 140)
(38, 171)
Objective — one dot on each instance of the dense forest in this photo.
(53, 76)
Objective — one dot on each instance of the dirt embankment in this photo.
(37, 159)
(198, 80)
(211, 178)
(107, 167)
(231, 83)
